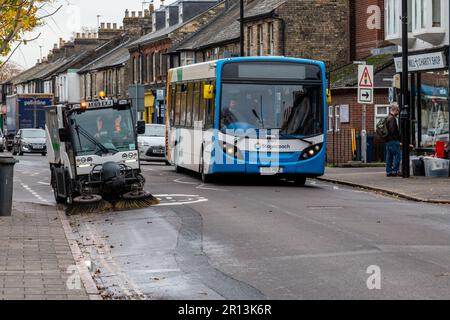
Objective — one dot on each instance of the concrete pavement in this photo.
(421, 189)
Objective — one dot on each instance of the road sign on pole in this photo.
(365, 97)
(365, 84)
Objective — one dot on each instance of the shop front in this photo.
(429, 87)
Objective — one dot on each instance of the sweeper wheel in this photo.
(90, 199)
(88, 204)
(136, 195)
(135, 200)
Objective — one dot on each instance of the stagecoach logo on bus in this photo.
(249, 147)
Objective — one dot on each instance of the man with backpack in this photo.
(388, 129)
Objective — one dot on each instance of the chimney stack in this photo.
(127, 13)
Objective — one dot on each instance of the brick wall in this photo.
(366, 39)
(317, 29)
(339, 147)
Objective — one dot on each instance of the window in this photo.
(147, 67)
(196, 103)
(436, 13)
(178, 105)
(271, 40)
(337, 118)
(249, 41)
(189, 106)
(183, 105)
(202, 114)
(210, 110)
(381, 112)
(330, 118)
(134, 70)
(171, 105)
(157, 66)
(260, 40)
(151, 67)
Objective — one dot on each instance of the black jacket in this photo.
(393, 131)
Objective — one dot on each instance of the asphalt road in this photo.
(250, 239)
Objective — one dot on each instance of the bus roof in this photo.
(207, 70)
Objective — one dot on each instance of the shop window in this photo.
(434, 109)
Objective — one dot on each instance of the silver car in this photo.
(152, 144)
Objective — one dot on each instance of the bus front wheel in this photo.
(206, 178)
(300, 181)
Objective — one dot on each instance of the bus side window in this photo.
(172, 101)
(189, 104)
(202, 105)
(196, 102)
(183, 105)
(210, 110)
(177, 105)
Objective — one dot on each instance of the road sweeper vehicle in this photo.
(93, 153)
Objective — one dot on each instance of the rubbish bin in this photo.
(6, 184)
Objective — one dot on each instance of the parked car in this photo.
(30, 141)
(2, 141)
(152, 143)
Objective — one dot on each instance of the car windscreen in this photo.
(154, 131)
(33, 134)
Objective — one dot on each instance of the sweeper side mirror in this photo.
(63, 136)
(141, 127)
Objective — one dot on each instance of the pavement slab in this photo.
(36, 261)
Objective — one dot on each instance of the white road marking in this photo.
(184, 182)
(44, 183)
(191, 199)
(202, 187)
(34, 193)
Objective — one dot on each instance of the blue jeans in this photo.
(393, 156)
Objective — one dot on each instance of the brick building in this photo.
(345, 116)
(149, 59)
(110, 72)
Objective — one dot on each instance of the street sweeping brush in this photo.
(88, 204)
(135, 200)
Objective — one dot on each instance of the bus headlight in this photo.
(311, 151)
(231, 150)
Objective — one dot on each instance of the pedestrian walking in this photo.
(393, 153)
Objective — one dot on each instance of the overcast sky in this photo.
(71, 18)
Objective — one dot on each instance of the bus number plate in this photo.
(270, 170)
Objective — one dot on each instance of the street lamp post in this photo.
(405, 103)
(242, 27)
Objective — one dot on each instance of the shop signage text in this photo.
(426, 61)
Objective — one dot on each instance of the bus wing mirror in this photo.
(141, 127)
(63, 136)
(208, 92)
(329, 100)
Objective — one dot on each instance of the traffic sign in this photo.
(365, 84)
(365, 96)
(365, 76)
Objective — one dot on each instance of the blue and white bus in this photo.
(250, 116)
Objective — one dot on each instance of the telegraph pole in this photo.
(405, 116)
(242, 28)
